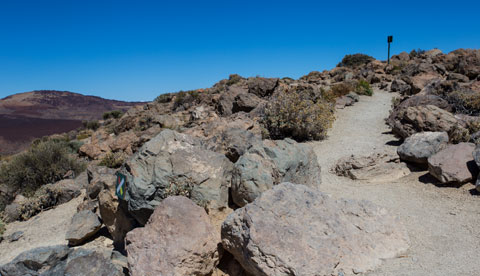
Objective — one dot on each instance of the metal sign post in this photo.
(389, 40)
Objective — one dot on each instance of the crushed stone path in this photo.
(443, 222)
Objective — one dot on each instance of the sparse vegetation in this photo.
(417, 53)
(465, 102)
(164, 98)
(341, 89)
(183, 98)
(93, 125)
(2, 227)
(114, 114)
(233, 79)
(355, 60)
(45, 162)
(363, 88)
(301, 118)
(113, 160)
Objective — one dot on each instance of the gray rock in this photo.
(233, 142)
(177, 240)
(61, 261)
(399, 85)
(453, 164)
(262, 86)
(295, 230)
(420, 146)
(15, 236)
(245, 102)
(84, 225)
(270, 163)
(175, 164)
(458, 77)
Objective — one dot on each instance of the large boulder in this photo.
(272, 162)
(453, 164)
(175, 164)
(84, 225)
(418, 82)
(296, 230)
(420, 146)
(262, 87)
(233, 142)
(421, 118)
(400, 86)
(177, 240)
(61, 260)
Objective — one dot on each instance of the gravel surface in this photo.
(442, 222)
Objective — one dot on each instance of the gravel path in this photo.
(443, 222)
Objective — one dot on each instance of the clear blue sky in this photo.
(136, 50)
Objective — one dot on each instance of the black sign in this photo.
(390, 39)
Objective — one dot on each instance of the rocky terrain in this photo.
(30, 115)
(366, 169)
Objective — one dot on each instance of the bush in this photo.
(2, 227)
(355, 60)
(301, 118)
(465, 102)
(113, 160)
(233, 79)
(186, 98)
(416, 53)
(115, 114)
(341, 89)
(164, 98)
(363, 88)
(93, 125)
(45, 162)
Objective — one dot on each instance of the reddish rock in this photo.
(454, 164)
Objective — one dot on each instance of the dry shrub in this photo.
(113, 160)
(45, 162)
(293, 115)
(341, 89)
(466, 102)
(355, 60)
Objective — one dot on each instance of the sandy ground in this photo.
(45, 229)
(443, 222)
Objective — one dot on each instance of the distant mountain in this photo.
(29, 115)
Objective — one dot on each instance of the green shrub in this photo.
(115, 114)
(291, 115)
(355, 60)
(363, 88)
(233, 79)
(113, 160)
(45, 162)
(2, 227)
(93, 125)
(416, 53)
(83, 135)
(164, 98)
(183, 98)
(341, 89)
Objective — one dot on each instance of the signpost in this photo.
(389, 40)
(121, 185)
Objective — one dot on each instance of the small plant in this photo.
(183, 98)
(83, 135)
(341, 89)
(355, 60)
(301, 118)
(164, 98)
(2, 227)
(113, 160)
(363, 88)
(417, 53)
(93, 125)
(115, 114)
(233, 79)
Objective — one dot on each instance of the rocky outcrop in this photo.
(175, 164)
(177, 240)
(84, 225)
(400, 86)
(374, 168)
(271, 162)
(295, 230)
(453, 164)
(420, 146)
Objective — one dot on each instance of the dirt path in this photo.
(443, 222)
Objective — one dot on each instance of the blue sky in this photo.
(136, 50)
